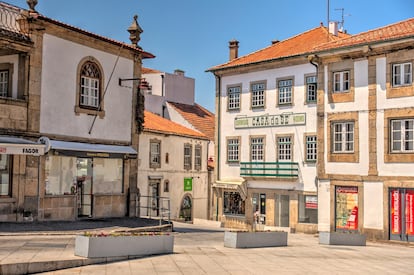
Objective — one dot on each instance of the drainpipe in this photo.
(218, 137)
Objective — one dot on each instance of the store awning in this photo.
(10, 145)
(80, 149)
(238, 184)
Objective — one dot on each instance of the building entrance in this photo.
(401, 214)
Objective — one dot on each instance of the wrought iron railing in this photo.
(269, 169)
(10, 25)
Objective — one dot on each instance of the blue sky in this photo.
(193, 35)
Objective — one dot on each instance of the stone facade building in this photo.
(68, 123)
(365, 133)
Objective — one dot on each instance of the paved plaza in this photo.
(200, 250)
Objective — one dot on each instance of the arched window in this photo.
(90, 85)
(89, 98)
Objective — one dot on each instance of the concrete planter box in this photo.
(116, 246)
(254, 239)
(342, 238)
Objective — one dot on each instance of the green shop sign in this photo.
(188, 184)
(287, 119)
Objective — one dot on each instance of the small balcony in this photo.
(287, 170)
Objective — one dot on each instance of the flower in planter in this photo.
(119, 234)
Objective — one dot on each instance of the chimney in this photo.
(179, 72)
(333, 28)
(234, 49)
(275, 41)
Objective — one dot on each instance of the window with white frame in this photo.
(258, 95)
(311, 148)
(4, 83)
(343, 137)
(284, 148)
(233, 98)
(341, 81)
(197, 157)
(402, 74)
(187, 156)
(402, 135)
(257, 149)
(233, 149)
(155, 153)
(90, 85)
(285, 91)
(311, 88)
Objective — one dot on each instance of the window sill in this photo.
(80, 110)
(13, 101)
(7, 200)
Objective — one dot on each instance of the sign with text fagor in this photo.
(286, 119)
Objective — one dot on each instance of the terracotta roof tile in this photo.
(149, 71)
(390, 32)
(296, 45)
(202, 119)
(155, 123)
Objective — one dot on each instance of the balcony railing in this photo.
(10, 23)
(269, 169)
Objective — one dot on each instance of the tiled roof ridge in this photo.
(38, 15)
(362, 37)
(204, 109)
(110, 40)
(172, 127)
(323, 28)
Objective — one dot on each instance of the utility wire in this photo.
(106, 89)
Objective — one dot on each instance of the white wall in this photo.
(324, 205)
(308, 171)
(383, 103)
(59, 79)
(373, 205)
(174, 172)
(361, 96)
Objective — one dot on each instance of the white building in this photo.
(172, 170)
(266, 135)
(365, 133)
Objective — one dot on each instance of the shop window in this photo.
(258, 95)
(187, 156)
(107, 176)
(233, 204)
(155, 153)
(197, 157)
(61, 175)
(346, 208)
(233, 98)
(233, 149)
(5, 175)
(308, 209)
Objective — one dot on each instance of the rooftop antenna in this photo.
(341, 23)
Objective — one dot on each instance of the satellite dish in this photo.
(46, 142)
